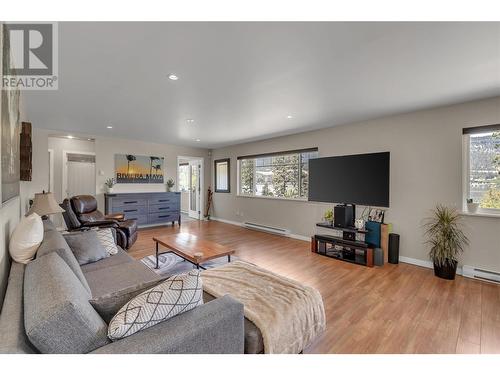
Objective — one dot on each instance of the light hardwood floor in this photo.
(391, 309)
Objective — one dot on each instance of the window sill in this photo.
(480, 214)
(273, 198)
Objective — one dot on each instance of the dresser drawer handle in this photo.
(162, 216)
(163, 200)
(130, 202)
(163, 208)
(132, 218)
(130, 210)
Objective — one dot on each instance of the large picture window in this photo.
(482, 167)
(279, 175)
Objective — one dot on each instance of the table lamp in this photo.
(44, 205)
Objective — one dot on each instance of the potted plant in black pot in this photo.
(446, 240)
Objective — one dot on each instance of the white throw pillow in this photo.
(172, 297)
(107, 240)
(26, 238)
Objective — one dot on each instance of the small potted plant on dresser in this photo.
(110, 182)
(170, 184)
(446, 240)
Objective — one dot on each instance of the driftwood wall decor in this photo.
(26, 151)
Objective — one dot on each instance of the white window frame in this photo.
(238, 184)
(201, 177)
(493, 212)
(179, 177)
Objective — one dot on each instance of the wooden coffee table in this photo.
(191, 248)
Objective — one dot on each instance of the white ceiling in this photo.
(239, 81)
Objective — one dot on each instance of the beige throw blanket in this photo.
(289, 315)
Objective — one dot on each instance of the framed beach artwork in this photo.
(133, 169)
(9, 132)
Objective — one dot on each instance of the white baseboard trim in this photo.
(300, 237)
(226, 221)
(423, 263)
(416, 262)
(291, 235)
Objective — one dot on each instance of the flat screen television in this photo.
(358, 179)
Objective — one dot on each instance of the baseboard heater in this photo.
(480, 274)
(266, 228)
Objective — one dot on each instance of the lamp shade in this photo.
(45, 204)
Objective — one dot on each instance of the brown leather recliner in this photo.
(81, 213)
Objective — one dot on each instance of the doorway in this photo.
(79, 177)
(190, 180)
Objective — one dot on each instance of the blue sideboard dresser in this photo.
(146, 208)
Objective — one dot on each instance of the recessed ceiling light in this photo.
(197, 140)
(89, 139)
(109, 127)
(289, 116)
(70, 137)
(173, 77)
(189, 120)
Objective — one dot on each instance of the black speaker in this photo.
(393, 248)
(343, 216)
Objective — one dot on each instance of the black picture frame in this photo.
(216, 187)
(376, 215)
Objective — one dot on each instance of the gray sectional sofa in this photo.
(47, 308)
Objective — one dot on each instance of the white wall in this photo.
(426, 167)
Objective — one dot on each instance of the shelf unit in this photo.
(352, 251)
(343, 229)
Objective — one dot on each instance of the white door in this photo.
(80, 175)
(194, 189)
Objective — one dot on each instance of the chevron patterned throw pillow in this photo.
(172, 297)
(107, 240)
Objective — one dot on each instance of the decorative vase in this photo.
(359, 224)
(472, 207)
(109, 190)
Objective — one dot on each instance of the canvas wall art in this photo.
(131, 169)
(9, 129)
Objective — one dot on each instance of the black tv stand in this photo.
(353, 251)
(343, 229)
